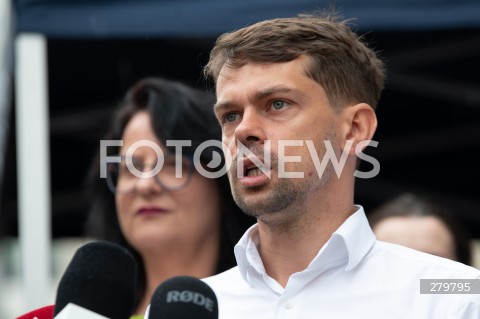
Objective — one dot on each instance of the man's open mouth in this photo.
(254, 171)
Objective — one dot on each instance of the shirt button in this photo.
(288, 304)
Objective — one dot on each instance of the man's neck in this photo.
(289, 247)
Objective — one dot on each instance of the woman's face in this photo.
(153, 218)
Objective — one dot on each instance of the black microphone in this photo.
(101, 277)
(183, 297)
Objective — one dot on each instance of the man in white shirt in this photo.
(295, 91)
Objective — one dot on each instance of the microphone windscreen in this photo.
(101, 277)
(183, 297)
(40, 313)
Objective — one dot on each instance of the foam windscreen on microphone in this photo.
(183, 297)
(101, 277)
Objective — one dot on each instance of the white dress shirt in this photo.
(352, 276)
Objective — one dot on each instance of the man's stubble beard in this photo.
(279, 200)
(287, 199)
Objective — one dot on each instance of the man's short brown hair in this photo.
(340, 62)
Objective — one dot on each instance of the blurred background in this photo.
(429, 114)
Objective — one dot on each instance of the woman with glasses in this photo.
(154, 201)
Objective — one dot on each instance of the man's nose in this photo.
(251, 128)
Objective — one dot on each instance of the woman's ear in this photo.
(359, 123)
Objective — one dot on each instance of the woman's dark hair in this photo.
(178, 112)
(412, 205)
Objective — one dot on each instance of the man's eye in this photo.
(230, 117)
(278, 104)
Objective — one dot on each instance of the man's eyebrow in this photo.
(261, 94)
(219, 106)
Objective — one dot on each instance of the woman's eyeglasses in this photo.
(175, 174)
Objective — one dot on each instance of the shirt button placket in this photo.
(287, 304)
(284, 310)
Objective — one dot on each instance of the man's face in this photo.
(274, 102)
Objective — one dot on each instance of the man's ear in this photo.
(359, 123)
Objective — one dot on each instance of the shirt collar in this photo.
(349, 243)
(357, 237)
